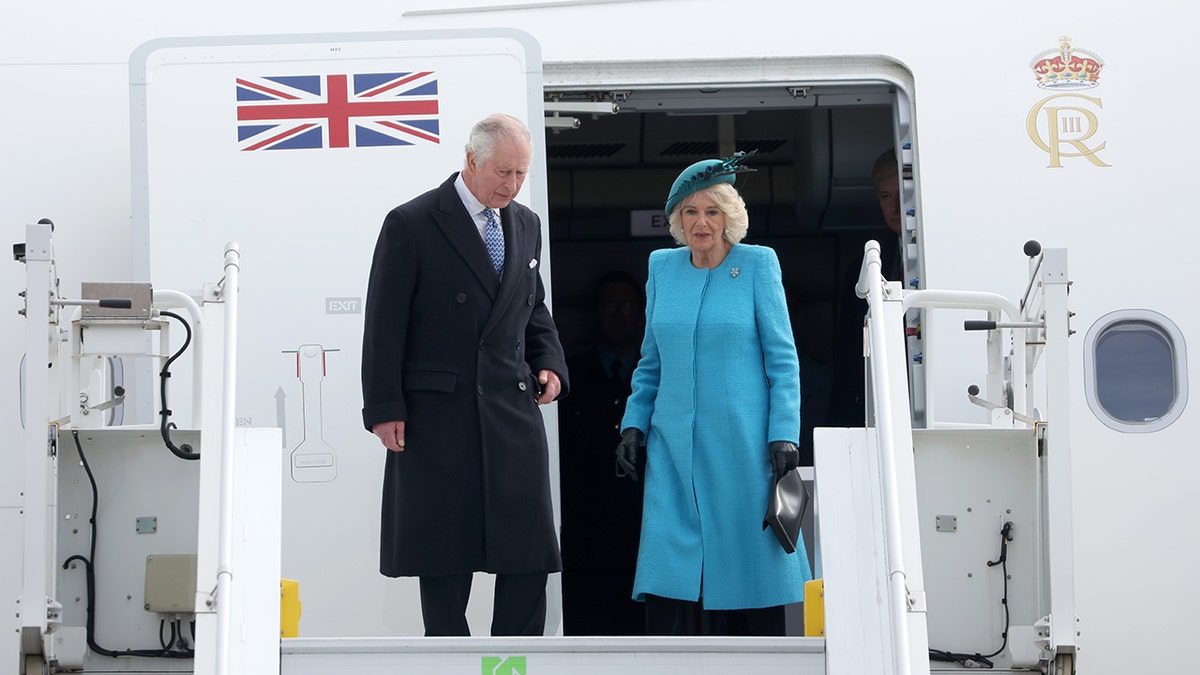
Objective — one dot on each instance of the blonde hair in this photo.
(737, 222)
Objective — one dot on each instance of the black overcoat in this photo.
(454, 353)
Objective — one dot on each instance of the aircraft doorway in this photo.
(812, 199)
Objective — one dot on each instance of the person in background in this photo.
(601, 513)
(847, 406)
(715, 407)
(459, 350)
(886, 176)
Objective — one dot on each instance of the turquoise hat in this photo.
(706, 173)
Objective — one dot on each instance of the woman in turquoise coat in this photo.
(716, 404)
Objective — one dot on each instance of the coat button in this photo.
(479, 390)
(461, 298)
(530, 300)
(521, 386)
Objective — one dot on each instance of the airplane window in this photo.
(1135, 371)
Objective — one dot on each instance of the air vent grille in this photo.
(583, 150)
(690, 149)
(709, 148)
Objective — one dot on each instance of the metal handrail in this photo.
(938, 299)
(228, 419)
(870, 283)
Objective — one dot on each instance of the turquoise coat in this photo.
(718, 380)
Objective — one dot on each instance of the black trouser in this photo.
(668, 616)
(518, 608)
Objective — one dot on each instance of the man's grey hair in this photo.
(493, 128)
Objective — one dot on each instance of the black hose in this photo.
(978, 660)
(184, 451)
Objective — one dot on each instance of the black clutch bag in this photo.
(789, 500)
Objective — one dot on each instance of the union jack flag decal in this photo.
(337, 111)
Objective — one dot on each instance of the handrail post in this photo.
(229, 292)
(1059, 499)
(40, 496)
(870, 284)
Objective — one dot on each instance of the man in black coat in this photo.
(459, 350)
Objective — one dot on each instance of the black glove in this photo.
(784, 457)
(632, 441)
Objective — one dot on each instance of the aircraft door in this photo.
(295, 147)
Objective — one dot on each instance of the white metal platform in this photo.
(540, 656)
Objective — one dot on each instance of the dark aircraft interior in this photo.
(811, 199)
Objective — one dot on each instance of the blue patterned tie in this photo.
(494, 238)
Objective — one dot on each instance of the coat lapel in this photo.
(459, 228)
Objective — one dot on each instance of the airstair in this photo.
(941, 548)
(949, 546)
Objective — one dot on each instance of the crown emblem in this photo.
(1067, 68)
